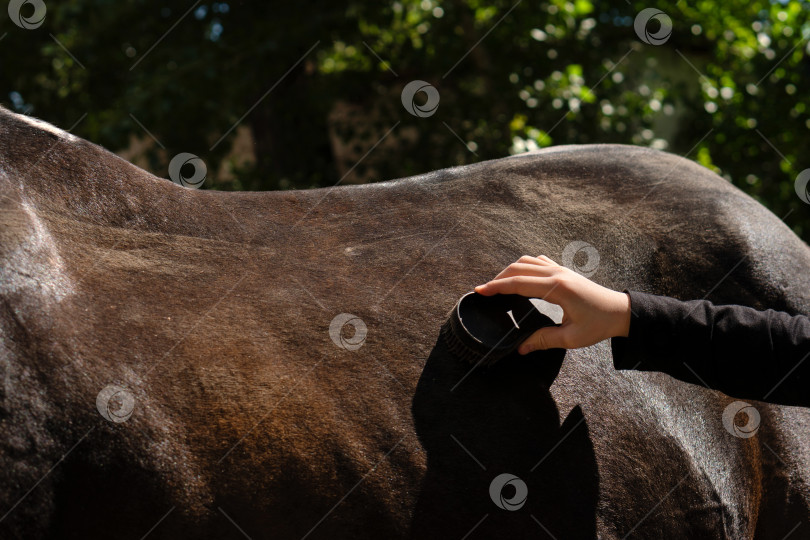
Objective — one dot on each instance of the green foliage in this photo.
(728, 89)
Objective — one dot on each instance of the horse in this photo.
(190, 363)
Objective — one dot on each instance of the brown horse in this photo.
(180, 363)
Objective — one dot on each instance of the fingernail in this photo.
(524, 349)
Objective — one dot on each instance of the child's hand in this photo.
(591, 312)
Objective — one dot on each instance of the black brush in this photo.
(484, 329)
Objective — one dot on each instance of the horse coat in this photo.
(218, 326)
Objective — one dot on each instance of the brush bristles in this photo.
(462, 351)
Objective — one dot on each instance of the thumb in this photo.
(549, 337)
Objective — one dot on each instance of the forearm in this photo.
(741, 351)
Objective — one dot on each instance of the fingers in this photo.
(546, 259)
(529, 263)
(550, 337)
(532, 286)
(542, 260)
(525, 260)
(532, 260)
(527, 269)
(526, 266)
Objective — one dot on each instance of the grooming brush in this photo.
(484, 329)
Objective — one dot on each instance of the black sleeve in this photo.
(743, 352)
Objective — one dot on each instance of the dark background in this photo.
(313, 88)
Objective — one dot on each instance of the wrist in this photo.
(623, 315)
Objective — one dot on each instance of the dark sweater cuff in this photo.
(659, 328)
(631, 351)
